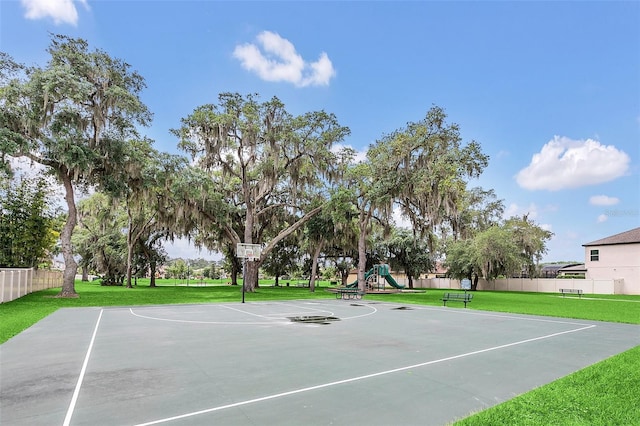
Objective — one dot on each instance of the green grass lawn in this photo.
(611, 308)
(606, 393)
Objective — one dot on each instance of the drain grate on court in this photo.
(314, 319)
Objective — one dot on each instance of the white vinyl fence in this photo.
(541, 285)
(17, 282)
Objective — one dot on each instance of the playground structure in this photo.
(376, 279)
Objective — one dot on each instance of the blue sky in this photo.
(551, 90)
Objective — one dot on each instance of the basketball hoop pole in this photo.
(244, 275)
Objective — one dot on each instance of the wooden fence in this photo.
(17, 282)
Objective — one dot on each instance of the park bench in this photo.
(349, 293)
(458, 297)
(577, 291)
(287, 283)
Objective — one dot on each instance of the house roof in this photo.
(627, 237)
(555, 267)
(440, 269)
(574, 268)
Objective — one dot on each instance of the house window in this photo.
(595, 255)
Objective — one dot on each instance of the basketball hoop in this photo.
(250, 252)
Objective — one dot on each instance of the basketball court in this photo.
(314, 362)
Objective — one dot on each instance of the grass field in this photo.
(606, 393)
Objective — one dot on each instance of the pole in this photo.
(244, 275)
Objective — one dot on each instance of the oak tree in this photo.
(260, 159)
(74, 116)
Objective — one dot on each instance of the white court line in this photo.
(250, 313)
(268, 319)
(355, 379)
(316, 310)
(284, 314)
(525, 317)
(207, 322)
(373, 310)
(76, 392)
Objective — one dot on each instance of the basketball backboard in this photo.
(248, 251)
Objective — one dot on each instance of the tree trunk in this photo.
(250, 276)
(344, 276)
(362, 250)
(410, 281)
(70, 265)
(85, 273)
(234, 274)
(152, 270)
(129, 263)
(133, 236)
(250, 269)
(130, 242)
(314, 267)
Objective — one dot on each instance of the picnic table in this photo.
(349, 293)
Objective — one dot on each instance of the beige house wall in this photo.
(619, 262)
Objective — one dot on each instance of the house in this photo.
(439, 271)
(616, 258)
(554, 270)
(573, 271)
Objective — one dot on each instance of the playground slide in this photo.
(355, 283)
(392, 281)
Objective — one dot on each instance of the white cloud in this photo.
(564, 163)
(515, 210)
(359, 156)
(503, 154)
(602, 218)
(61, 11)
(276, 59)
(23, 168)
(603, 200)
(399, 219)
(185, 249)
(546, 227)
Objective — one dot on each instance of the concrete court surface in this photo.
(372, 363)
